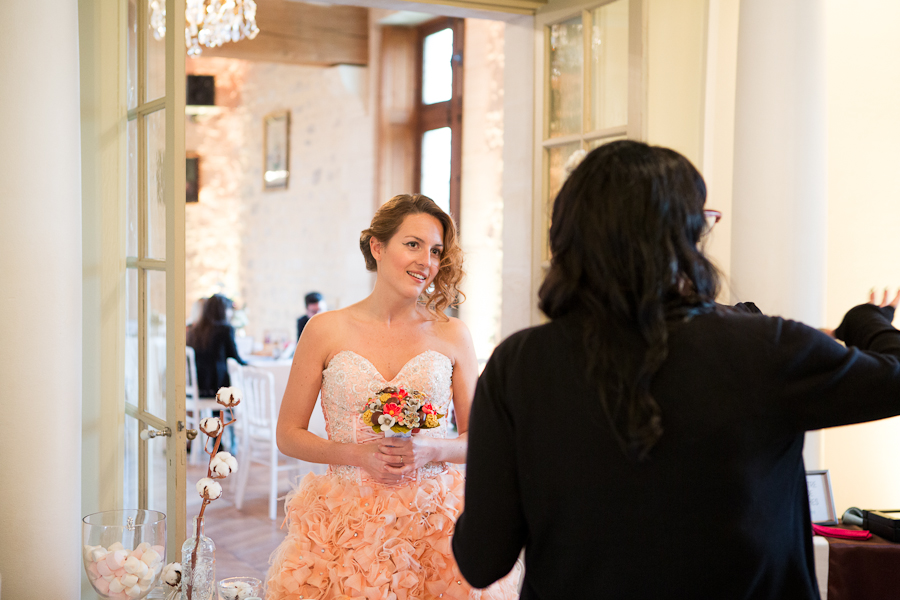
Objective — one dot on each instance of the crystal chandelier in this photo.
(209, 23)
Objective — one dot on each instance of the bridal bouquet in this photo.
(395, 410)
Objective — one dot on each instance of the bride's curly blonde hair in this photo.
(444, 291)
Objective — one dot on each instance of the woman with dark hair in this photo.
(212, 339)
(378, 523)
(646, 442)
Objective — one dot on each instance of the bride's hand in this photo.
(376, 463)
(404, 455)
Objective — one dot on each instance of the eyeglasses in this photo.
(712, 217)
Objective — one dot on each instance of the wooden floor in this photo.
(244, 538)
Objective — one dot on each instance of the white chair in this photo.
(258, 412)
(198, 407)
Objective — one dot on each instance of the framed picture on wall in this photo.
(276, 150)
(192, 177)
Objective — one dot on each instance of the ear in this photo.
(376, 248)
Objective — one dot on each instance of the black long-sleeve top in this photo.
(720, 508)
(212, 369)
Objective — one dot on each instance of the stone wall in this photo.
(267, 249)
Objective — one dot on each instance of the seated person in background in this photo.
(314, 305)
(212, 339)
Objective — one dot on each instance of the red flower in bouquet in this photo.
(400, 411)
(392, 409)
(428, 409)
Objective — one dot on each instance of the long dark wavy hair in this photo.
(214, 311)
(624, 240)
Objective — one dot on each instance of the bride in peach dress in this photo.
(377, 525)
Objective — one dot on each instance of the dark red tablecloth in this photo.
(863, 569)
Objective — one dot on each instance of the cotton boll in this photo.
(171, 574)
(229, 397)
(208, 488)
(211, 426)
(223, 464)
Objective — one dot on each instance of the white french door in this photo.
(154, 336)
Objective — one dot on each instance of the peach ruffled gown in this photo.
(352, 538)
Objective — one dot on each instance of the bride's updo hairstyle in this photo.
(444, 291)
(626, 264)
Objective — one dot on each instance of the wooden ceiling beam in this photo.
(303, 34)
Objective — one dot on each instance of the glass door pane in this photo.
(609, 65)
(436, 166)
(156, 343)
(565, 77)
(155, 178)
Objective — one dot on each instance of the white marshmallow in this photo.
(150, 558)
(131, 565)
(115, 586)
(134, 591)
(143, 546)
(116, 546)
(98, 554)
(129, 580)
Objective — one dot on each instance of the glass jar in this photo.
(198, 577)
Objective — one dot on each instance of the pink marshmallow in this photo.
(108, 578)
(115, 559)
(120, 573)
(138, 553)
(161, 550)
(92, 571)
(102, 586)
(102, 568)
(143, 546)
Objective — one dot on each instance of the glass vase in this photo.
(198, 573)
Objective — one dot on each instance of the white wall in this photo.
(863, 51)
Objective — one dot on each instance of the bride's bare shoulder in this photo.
(455, 337)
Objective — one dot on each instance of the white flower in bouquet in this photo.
(211, 426)
(386, 422)
(209, 488)
(223, 464)
(171, 574)
(229, 397)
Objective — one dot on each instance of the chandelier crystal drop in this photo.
(209, 23)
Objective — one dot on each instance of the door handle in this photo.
(147, 434)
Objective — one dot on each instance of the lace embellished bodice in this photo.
(350, 380)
